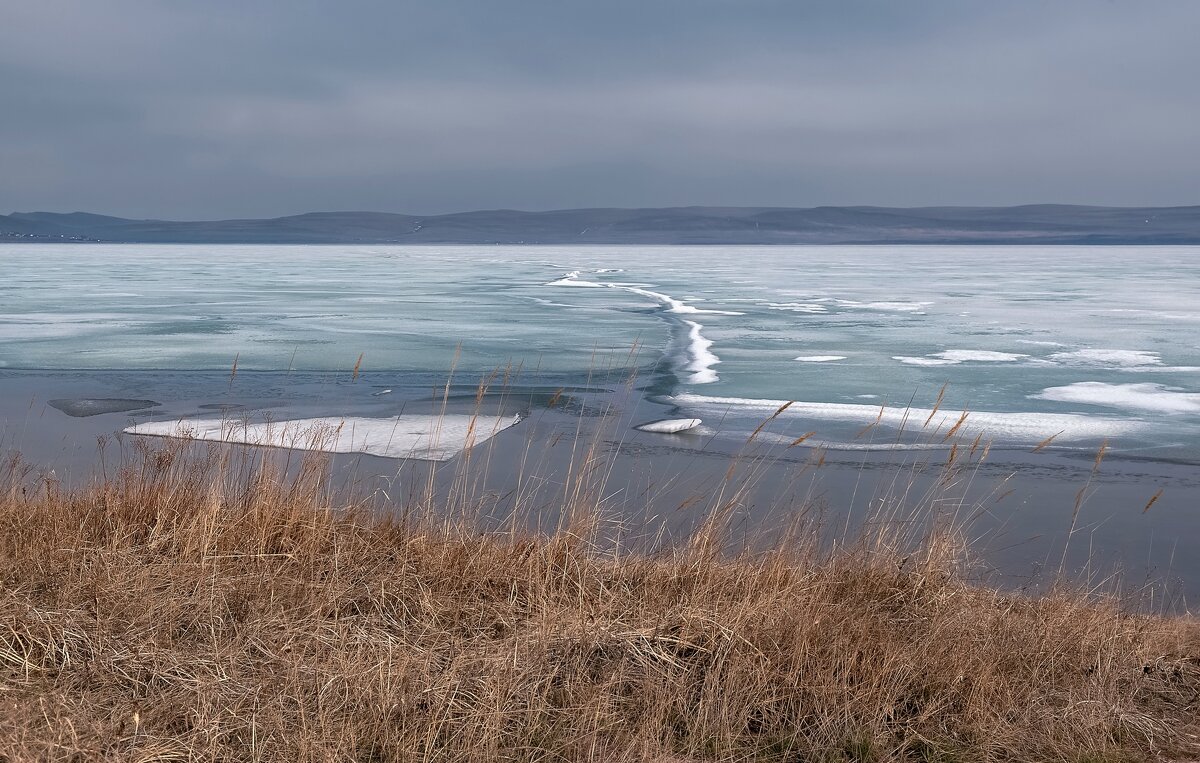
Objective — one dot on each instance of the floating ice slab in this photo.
(669, 426)
(1018, 426)
(428, 438)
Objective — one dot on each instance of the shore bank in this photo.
(193, 606)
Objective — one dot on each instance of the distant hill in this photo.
(1034, 224)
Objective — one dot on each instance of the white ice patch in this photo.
(819, 358)
(979, 356)
(428, 438)
(1109, 358)
(1138, 397)
(887, 307)
(798, 307)
(908, 360)
(954, 357)
(1023, 427)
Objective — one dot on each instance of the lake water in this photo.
(1075, 345)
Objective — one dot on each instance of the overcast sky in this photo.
(208, 109)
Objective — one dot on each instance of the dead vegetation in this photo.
(186, 609)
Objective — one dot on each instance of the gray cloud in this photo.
(213, 109)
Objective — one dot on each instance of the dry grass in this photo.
(189, 610)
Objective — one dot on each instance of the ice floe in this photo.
(669, 426)
(428, 438)
(1102, 357)
(1020, 426)
(1157, 398)
(979, 356)
(954, 357)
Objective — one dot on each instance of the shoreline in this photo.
(1025, 500)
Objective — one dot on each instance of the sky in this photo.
(205, 109)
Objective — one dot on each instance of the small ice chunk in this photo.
(979, 356)
(668, 426)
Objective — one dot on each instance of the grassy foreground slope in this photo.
(175, 614)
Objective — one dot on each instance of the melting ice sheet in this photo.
(428, 438)
(1013, 427)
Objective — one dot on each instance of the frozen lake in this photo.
(1079, 343)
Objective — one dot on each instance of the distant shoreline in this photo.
(421, 244)
(1035, 225)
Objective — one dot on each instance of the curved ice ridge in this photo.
(674, 305)
(1021, 426)
(698, 357)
